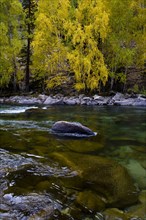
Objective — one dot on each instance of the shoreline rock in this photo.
(118, 99)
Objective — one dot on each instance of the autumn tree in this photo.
(49, 50)
(91, 39)
(139, 31)
(67, 38)
(86, 29)
(124, 47)
(11, 18)
(29, 8)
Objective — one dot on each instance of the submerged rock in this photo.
(114, 213)
(138, 173)
(138, 211)
(31, 206)
(106, 177)
(76, 129)
(18, 176)
(12, 162)
(90, 200)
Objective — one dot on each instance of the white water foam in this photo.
(15, 110)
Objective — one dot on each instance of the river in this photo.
(39, 171)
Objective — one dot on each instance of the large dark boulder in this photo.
(76, 129)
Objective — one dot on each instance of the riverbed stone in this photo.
(91, 144)
(138, 211)
(142, 196)
(141, 149)
(109, 179)
(114, 99)
(12, 162)
(71, 128)
(86, 100)
(124, 102)
(118, 96)
(134, 213)
(140, 101)
(138, 172)
(71, 101)
(31, 206)
(98, 97)
(2, 100)
(90, 201)
(53, 101)
(42, 97)
(25, 100)
(116, 214)
(143, 164)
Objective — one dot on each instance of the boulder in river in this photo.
(108, 179)
(76, 129)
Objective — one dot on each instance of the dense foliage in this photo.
(94, 41)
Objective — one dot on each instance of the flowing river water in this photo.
(43, 176)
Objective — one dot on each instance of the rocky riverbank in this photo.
(116, 99)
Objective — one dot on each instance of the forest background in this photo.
(72, 46)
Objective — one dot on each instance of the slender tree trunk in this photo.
(27, 74)
(112, 81)
(124, 86)
(14, 75)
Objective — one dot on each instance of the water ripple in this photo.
(20, 124)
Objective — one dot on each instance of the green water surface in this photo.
(121, 136)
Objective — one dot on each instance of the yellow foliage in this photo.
(86, 60)
(49, 53)
(56, 80)
(78, 50)
(10, 42)
(79, 86)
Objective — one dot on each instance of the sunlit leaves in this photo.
(49, 52)
(92, 39)
(85, 58)
(10, 39)
(125, 45)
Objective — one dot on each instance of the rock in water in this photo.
(103, 176)
(76, 129)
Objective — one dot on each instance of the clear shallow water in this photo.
(28, 145)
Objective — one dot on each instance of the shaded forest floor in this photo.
(135, 83)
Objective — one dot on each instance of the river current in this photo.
(36, 185)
